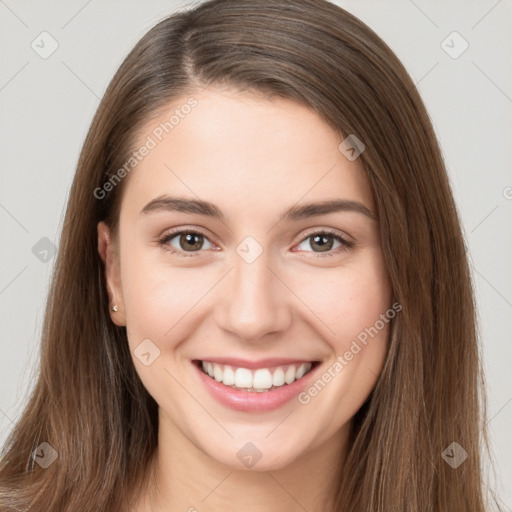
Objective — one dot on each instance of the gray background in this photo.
(47, 105)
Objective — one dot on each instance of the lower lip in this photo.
(254, 401)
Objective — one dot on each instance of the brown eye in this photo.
(186, 241)
(190, 241)
(324, 242)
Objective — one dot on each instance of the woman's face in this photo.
(221, 260)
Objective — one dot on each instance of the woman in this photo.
(261, 299)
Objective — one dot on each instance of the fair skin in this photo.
(253, 158)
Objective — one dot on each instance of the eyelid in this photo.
(344, 239)
(169, 235)
(346, 242)
(328, 231)
(185, 229)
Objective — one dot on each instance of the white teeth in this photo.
(278, 377)
(259, 380)
(301, 371)
(243, 378)
(289, 376)
(262, 379)
(229, 376)
(217, 372)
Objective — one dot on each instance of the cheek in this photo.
(352, 304)
(158, 297)
(358, 348)
(159, 302)
(347, 299)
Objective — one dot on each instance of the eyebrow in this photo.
(295, 213)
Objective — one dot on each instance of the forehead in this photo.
(243, 150)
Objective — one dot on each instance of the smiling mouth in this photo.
(260, 380)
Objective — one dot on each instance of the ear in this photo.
(109, 255)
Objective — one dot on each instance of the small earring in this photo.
(114, 308)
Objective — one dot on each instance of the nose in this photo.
(255, 301)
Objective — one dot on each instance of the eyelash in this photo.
(345, 244)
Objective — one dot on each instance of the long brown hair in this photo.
(89, 403)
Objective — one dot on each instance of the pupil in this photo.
(189, 239)
(323, 241)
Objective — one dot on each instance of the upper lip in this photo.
(253, 365)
